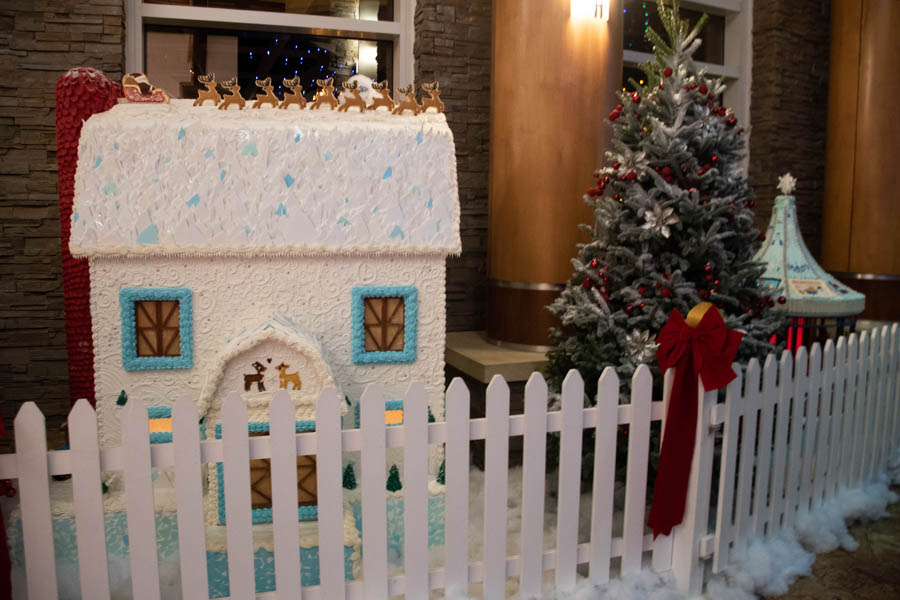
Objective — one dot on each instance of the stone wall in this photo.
(453, 46)
(39, 41)
(788, 111)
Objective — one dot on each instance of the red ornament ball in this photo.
(666, 293)
(703, 293)
(732, 122)
(631, 176)
(667, 170)
(781, 299)
(614, 115)
(629, 309)
(667, 275)
(594, 263)
(693, 86)
(636, 98)
(616, 165)
(667, 72)
(660, 85)
(708, 268)
(709, 276)
(703, 89)
(714, 158)
(586, 284)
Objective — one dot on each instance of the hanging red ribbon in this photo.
(703, 345)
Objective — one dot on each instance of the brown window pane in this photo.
(369, 10)
(383, 322)
(261, 480)
(157, 327)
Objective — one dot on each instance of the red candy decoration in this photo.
(80, 93)
(667, 72)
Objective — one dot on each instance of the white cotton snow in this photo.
(767, 566)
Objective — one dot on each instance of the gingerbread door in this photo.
(261, 481)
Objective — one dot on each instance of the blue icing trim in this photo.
(149, 236)
(116, 145)
(343, 221)
(130, 360)
(437, 226)
(398, 231)
(329, 155)
(249, 149)
(75, 217)
(159, 412)
(97, 161)
(430, 203)
(297, 138)
(281, 210)
(194, 201)
(288, 180)
(410, 297)
(247, 229)
(388, 173)
(209, 153)
(181, 133)
(222, 175)
(419, 137)
(160, 437)
(111, 188)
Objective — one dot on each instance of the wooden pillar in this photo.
(861, 213)
(553, 81)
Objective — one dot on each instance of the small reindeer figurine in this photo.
(294, 95)
(383, 97)
(210, 93)
(285, 378)
(351, 97)
(267, 96)
(234, 97)
(325, 95)
(407, 101)
(434, 101)
(256, 378)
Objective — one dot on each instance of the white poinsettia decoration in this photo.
(658, 220)
(640, 346)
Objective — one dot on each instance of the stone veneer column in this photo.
(552, 84)
(39, 41)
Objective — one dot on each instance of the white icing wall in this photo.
(232, 295)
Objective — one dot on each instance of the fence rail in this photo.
(791, 434)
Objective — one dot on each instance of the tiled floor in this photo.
(870, 573)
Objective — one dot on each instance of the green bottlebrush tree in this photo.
(393, 480)
(349, 479)
(674, 223)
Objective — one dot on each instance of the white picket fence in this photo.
(817, 425)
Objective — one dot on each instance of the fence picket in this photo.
(744, 499)
(850, 411)
(533, 474)
(795, 443)
(782, 421)
(415, 485)
(572, 410)
(329, 493)
(87, 496)
(236, 455)
(810, 427)
(863, 409)
(374, 502)
(824, 430)
(838, 417)
(727, 471)
(878, 435)
(604, 475)
(285, 533)
(34, 500)
(868, 438)
(636, 478)
(764, 451)
(189, 499)
(139, 502)
(889, 444)
(456, 472)
(496, 486)
(661, 560)
(894, 392)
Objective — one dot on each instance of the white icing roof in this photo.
(177, 179)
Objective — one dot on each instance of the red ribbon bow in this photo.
(707, 350)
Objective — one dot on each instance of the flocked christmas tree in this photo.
(674, 224)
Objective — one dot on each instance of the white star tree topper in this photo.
(787, 183)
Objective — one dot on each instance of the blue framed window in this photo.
(260, 485)
(157, 328)
(384, 324)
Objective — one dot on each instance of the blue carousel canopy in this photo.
(808, 289)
